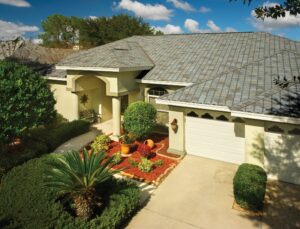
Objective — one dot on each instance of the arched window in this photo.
(157, 91)
(192, 114)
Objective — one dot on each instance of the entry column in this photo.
(116, 113)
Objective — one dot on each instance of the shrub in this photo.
(101, 143)
(25, 202)
(139, 119)
(249, 185)
(39, 141)
(145, 165)
(59, 135)
(25, 101)
(77, 179)
(144, 150)
(117, 158)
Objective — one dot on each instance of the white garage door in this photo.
(215, 139)
(282, 157)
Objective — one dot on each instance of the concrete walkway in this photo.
(78, 142)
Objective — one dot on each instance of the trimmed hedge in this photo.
(59, 135)
(26, 203)
(41, 141)
(249, 185)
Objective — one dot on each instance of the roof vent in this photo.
(121, 49)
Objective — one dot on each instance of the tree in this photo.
(277, 10)
(78, 177)
(139, 119)
(62, 31)
(25, 101)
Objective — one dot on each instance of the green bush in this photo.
(101, 143)
(25, 101)
(39, 141)
(139, 119)
(55, 137)
(25, 201)
(249, 185)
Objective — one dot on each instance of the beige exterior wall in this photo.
(254, 134)
(66, 102)
(98, 101)
(100, 87)
(176, 138)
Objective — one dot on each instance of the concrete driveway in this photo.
(198, 194)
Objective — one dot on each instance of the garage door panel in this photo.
(214, 139)
(282, 157)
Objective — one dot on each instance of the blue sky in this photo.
(23, 17)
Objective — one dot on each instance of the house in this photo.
(229, 96)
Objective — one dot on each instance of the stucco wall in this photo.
(66, 102)
(95, 89)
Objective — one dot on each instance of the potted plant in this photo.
(126, 142)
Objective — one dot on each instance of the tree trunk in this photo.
(84, 205)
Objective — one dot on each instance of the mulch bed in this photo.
(159, 152)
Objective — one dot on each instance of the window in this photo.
(295, 131)
(222, 118)
(276, 129)
(192, 114)
(157, 91)
(207, 116)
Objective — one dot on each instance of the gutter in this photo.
(240, 114)
(264, 117)
(171, 83)
(55, 78)
(100, 69)
(192, 105)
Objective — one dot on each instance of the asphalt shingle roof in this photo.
(228, 69)
(240, 85)
(119, 54)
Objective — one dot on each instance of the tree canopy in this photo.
(63, 31)
(25, 101)
(277, 10)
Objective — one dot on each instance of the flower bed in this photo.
(159, 152)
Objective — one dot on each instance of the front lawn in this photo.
(25, 202)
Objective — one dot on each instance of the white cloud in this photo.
(204, 9)
(153, 12)
(213, 27)
(269, 24)
(10, 30)
(179, 4)
(193, 27)
(17, 3)
(169, 29)
(230, 29)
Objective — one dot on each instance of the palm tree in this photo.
(77, 177)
